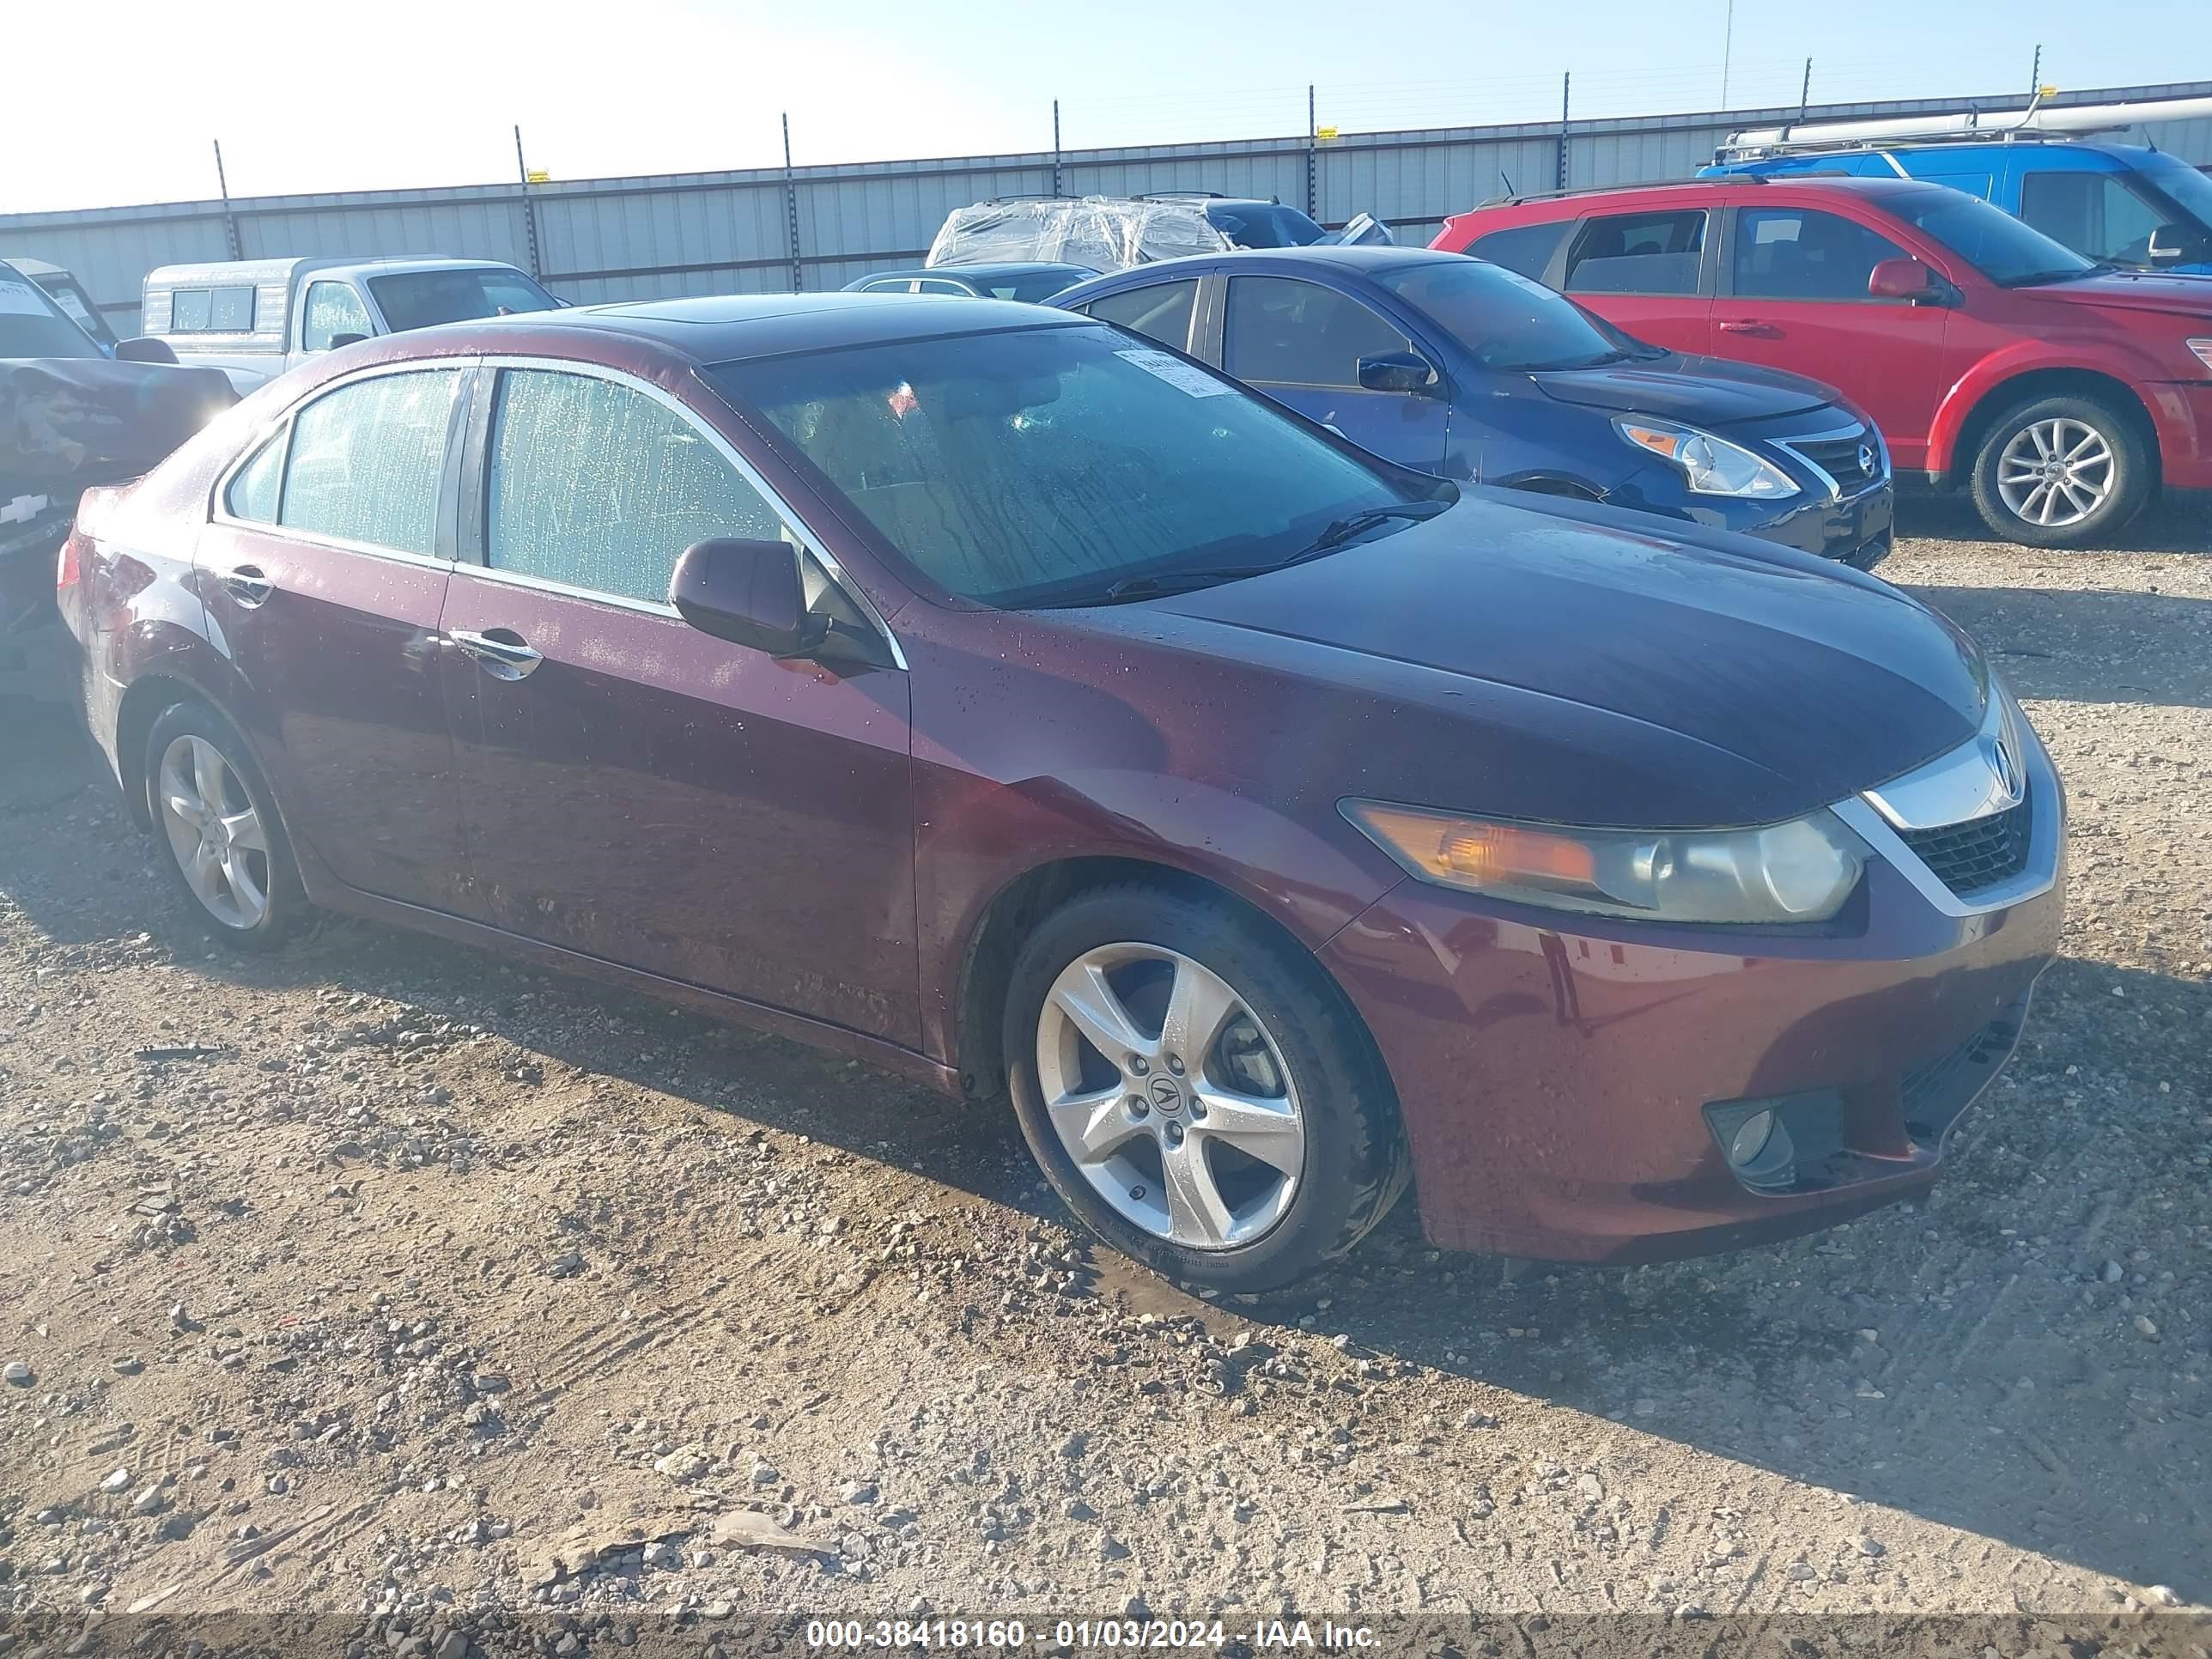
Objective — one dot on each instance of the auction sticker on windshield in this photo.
(1180, 375)
(17, 300)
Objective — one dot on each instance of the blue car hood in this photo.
(1701, 391)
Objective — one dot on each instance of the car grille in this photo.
(1935, 1092)
(1972, 857)
(1840, 457)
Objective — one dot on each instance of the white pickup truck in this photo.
(254, 318)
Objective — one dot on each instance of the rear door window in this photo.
(368, 460)
(1161, 311)
(1527, 249)
(1801, 253)
(1284, 331)
(1638, 254)
(594, 485)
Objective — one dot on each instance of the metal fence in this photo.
(772, 229)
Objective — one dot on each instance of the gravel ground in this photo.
(387, 1280)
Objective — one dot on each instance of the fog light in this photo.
(1760, 1150)
(1751, 1140)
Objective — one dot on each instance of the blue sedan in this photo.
(1457, 366)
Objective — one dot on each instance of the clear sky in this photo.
(399, 92)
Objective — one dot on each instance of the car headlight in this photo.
(2202, 349)
(1713, 466)
(1801, 871)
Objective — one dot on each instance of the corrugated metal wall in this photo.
(711, 233)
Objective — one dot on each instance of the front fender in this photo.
(2025, 358)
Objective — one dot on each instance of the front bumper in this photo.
(1554, 1080)
(1855, 530)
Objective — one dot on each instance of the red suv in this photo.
(2061, 392)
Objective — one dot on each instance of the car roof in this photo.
(1364, 261)
(981, 273)
(726, 327)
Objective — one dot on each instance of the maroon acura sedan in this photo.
(990, 695)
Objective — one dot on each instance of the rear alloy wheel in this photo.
(1199, 1094)
(212, 816)
(2060, 471)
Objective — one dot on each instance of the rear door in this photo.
(638, 791)
(325, 569)
(1650, 269)
(1795, 298)
(1300, 343)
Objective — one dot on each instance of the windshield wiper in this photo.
(1336, 535)
(2071, 274)
(1345, 529)
(1173, 581)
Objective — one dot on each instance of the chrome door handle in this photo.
(500, 653)
(248, 586)
(1750, 325)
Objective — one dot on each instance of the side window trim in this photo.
(442, 535)
(474, 481)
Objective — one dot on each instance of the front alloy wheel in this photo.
(1196, 1087)
(1169, 1097)
(2061, 471)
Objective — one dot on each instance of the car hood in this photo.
(2135, 290)
(1663, 682)
(1705, 390)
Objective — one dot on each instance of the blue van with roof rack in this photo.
(2133, 206)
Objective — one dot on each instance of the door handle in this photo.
(248, 585)
(500, 652)
(1750, 325)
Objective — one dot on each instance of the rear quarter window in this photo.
(1638, 254)
(1527, 249)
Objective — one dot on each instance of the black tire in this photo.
(2130, 484)
(1355, 1161)
(273, 869)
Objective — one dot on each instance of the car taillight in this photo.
(66, 572)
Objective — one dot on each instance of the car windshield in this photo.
(31, 325)
(423, 299)
(2010, 253)
(2183, 186)
(1262, 224)
(1507, 321)
(1061, 465)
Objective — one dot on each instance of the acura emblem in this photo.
(1165, 1094)
(1866, 459)
(2002, 762)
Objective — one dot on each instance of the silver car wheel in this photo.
(2056, 472)
(214, 832)
(1170, 1095)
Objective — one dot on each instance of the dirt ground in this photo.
(385, 1279)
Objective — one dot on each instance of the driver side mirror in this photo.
(340, 340)
(145, 350)
(748, 592)
(1905, 279)
(1397, 370)
(2170, 245)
